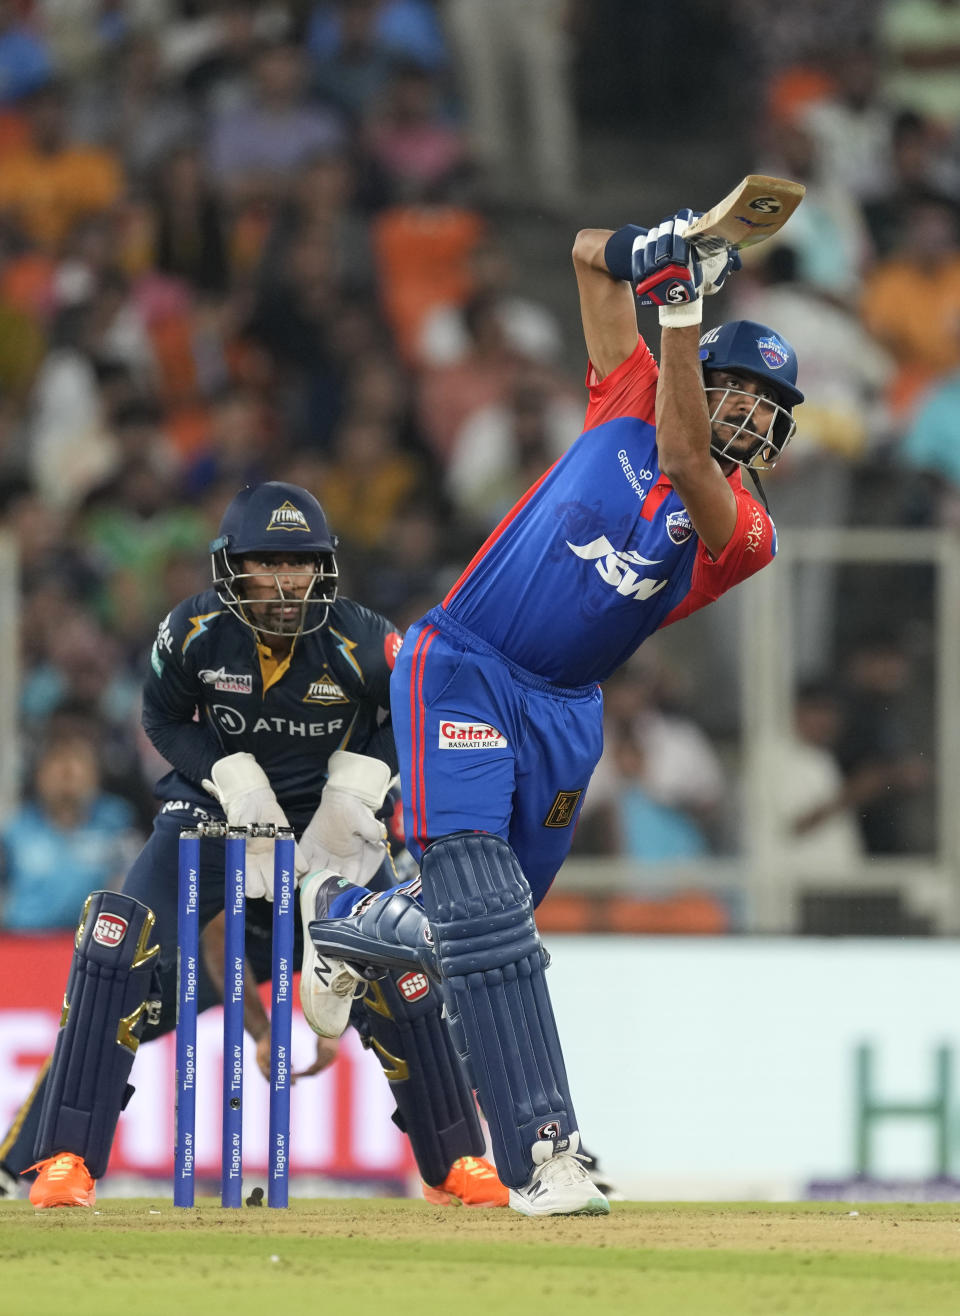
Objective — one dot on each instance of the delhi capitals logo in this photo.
(773, 351)
(679, 526)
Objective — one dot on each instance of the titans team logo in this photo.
(773, 351)
(325, 690)
(287, 517)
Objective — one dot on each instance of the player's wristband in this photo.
(675, 317)
(618, 251)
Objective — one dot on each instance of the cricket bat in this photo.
(755, 209)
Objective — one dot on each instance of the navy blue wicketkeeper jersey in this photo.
(206, 696)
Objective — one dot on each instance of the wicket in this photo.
(281, 1015)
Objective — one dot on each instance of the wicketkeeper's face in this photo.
(272, 586)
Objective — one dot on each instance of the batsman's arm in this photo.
(683, 439)
(608, 310)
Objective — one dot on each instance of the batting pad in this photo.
(400, 1019)
(498, 1007)
(112, 991)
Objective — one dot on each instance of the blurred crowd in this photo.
(249, 240)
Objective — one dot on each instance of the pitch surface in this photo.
(403, 1257)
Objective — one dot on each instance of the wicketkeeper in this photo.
(269, 695)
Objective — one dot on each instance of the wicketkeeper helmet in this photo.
(275, 518)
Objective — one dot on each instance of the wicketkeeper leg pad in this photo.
(400, 1018)
(112, 992)
(498, 1008)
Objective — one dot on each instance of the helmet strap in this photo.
(761, 494)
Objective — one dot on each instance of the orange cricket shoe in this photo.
(472, 1181)
(63, 1180)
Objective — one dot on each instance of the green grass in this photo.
(350, 1257)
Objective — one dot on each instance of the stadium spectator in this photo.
(414, 149)
(811, 805)
(352, 57)
(880, 743)
(69, 449)
(530, 326)
(501, 449)
(921, 164)
(369, 479)
(69, 839)
(930, 449)
(134, 106)
(828, 232)
(50, 184)
(190, 240)
(852, 129)
(450, 395)
(921, 42)
(514, 65)
(402, 29)
(911, 299)
(422, 256)
(658, 786)
(323, 203)
(256, 147)
(26, 62)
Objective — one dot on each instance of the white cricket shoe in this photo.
(559, 1184)
(328, 987)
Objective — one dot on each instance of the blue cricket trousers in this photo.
(485, 746)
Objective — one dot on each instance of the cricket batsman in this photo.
(496, 701)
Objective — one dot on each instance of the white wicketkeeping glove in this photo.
(246, 796)
(344, 834)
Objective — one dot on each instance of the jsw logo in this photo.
(615, 566)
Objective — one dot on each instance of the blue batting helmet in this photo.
(756, 349)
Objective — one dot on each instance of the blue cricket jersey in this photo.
(601, 552)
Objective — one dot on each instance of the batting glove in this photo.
(716, 268)
(344, 834)
(667, 272)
